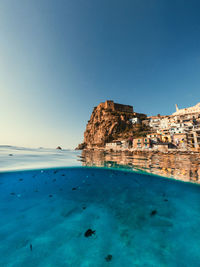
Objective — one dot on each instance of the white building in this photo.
(124, 144)
(114, 144)
(154, 122)
(135, 121)
(176, 129)
(184, 111)
(164, 123)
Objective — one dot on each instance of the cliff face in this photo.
(105, 125)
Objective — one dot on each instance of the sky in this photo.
(59, 59)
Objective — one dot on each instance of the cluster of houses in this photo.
(180, 130)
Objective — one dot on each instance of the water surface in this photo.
(136, 219)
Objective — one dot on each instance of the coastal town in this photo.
(117, 127)
(181, 130)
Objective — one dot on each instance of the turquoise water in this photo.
(134, 219)
(140, 220)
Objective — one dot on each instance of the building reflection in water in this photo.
(182, 167)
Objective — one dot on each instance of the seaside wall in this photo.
(109, 104)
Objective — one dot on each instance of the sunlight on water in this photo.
(16, 158)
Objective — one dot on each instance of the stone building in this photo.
(110, 105)
(141, 143)
(113, 145)
(154, 136)
(179, 138)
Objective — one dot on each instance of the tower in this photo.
(177, 109)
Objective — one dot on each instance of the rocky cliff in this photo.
(108, 124)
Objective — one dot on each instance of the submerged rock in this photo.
(108, 257)
(89, 232)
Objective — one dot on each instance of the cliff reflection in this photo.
(185, 167)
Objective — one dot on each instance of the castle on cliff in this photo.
(110, 105)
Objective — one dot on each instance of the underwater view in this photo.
(93, 216)
(100, 133)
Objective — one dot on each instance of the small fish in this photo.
(154, 212)
(108, 257)
(31, 247)
(50, 195)
(74, 188)
(89, 232)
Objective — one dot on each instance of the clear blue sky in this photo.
(59, 59)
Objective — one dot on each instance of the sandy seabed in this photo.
(139, 220)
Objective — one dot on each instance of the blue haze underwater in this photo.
(137, 219)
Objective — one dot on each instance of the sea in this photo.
(95, 209)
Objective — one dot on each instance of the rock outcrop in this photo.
(108, 122)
